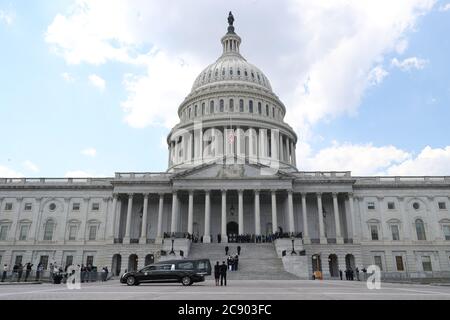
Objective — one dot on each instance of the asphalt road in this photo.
(236, 290)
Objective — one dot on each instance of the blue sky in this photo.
(91, 88)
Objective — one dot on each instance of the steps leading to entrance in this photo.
(256, 262)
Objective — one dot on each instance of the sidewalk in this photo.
(19, 283)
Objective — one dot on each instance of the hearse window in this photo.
(165, 267)
(186, 266)
(147, 269)
(202, 265)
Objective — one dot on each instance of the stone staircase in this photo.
(256, 262)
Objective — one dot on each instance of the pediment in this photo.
(232, 171)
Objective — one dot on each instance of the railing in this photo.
(54, 180)
(118, 240)
(415, 275)
(405, 179)
(325, 174)
(134, 241)
(47, 276)
(141, 175)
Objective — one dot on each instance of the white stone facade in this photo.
(232, 170)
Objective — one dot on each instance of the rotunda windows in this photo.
(222, 105)
(223, 71)
(246, 73)
(250, 106)
(267, 110)
(239, 72)
(416, 205)
(196, 111)
(231, 105)
(259, 108)
(203, 108)
(211, 107)
(231, 71)
(241, 105)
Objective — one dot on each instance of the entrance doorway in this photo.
(350, 261)
(116, 264)
(149, 259)
(316, 263)
(232, 231)
(132, 263)
(333, 265)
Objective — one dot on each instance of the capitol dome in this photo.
(238, 112)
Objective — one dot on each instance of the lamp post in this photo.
(172, 252)
(293, 249)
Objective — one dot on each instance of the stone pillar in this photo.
(337, 220)
(306, 238)
(36, 221)
(288, 150)
(281, 149)
(406, 236)
(434, 229)
(207, 233)
(323, 239)
(224, 217)
(15, 223)
(111, 231)
(274, 212)
(191, 213)
(384, 231)
(241, 211)
(62, 235)
(291, 212)
(275, 141)
(353, 218)
(173, 222)
(159, 234)
(82, 233)
(257, 214)
(240, 143)
(143, 239)
(293, 152)
(127, 237)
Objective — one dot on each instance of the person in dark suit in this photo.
(236, 263)
(226, 250)
(340, 274)
(219, 238)
(217, 273)
(223, 274)
(239, 250)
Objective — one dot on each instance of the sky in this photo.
(90, 88)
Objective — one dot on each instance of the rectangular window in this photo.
(378, 262)
(426, 263)
(90, 261)
(8, 206)
(23, 232)
(399, 263)
(76, 207)
(18, 260)
(28, 207)
(44, 261)
(395, 233)
(72, 233)
(69, 260)
(447, 232)
(442, 206)
(391, 205)
(92, 232)
(95, 206)
(374, 232)
(3, 233)
(371, 205)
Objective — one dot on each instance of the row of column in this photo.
(191, 145)
(257, 215)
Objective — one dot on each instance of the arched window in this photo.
(267, 110)
(203, 108)
(231, 105)
(189, 116)
(241, 105)
(48, 230)
(223, 71)
(217, 73)
(222, 105)
(211, 107)
(239, 72)
(196, 111)
(259, 108)
(250, 106)
(246, 73)
(273, 112)
(420, 230)
(231, 71)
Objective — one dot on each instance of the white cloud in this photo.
(90, 152)
(30, 166)
(68, 77)
(445, 7)
(97, 82)
(377, 75)
(409, 63)
(7, 17)
(6, 172)
(429, 162)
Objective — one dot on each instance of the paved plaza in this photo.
(236, 290)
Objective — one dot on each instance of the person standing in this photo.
(357, 274)
(217, 273)
(28, 270)
(239, 250)
(236, 262)
(39, 269)
(223, 274)
(219, 238)
(106, 273)
(5, 271)
(226, 250)
(340, 274)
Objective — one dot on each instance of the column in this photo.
(118, 216)
(288, 150)
(353, 218)
(241, 211)
(257, 214)
(111, 231)
(323, 239)
(240, 143)
(306, 239)
(281, 149)
(294, 156)
(337, 220)
(173, 222)
(177, 153)
(127, 238)
(291, 212)
(15, 223)
(434, 229)
(62, 235)
(207, 234)
(159, 234)
(191, 213)
(274, 212)
(36, 222)
(82, 232)
(275, 141)
(224, 216)
(406, 236)
(385, 235)
(143, 239)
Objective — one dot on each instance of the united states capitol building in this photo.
(232, 171)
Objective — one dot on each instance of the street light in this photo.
(172, 252)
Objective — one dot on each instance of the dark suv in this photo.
(184, 271)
